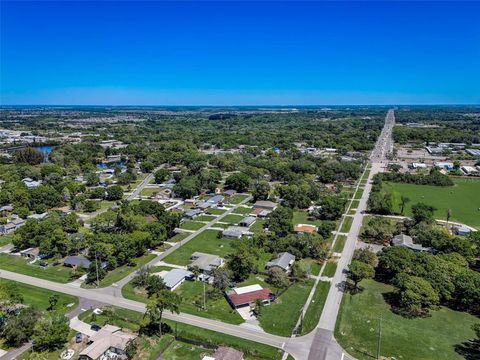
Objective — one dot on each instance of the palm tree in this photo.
(196, 271)
(404, 200)
(449, 215)
(159, 302)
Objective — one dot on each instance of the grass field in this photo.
(355, 204)
(178, 350)
(314, 311)
(347, 223)
(232, 219)
(191, 225)
(38, 297)
(463, 198)
(302, 217)
(433, 337)
(339, 244)
(257, 226)
(207, 242)
(5, 239)
(329, 269)
(236, 199)
(205, 218)
(178, 237)
(242, 210)
(281, 317)
(57, 273)
(215, 211)
(121, 271)
(150, 191)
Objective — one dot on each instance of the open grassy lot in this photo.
(232, 219)
(281, 317)
(257, 226)
(205, 218)
(178, 237)
(121, 271)
(38, 297)
(5, 239)
(339, 244)
(463, 198)
(358, 194)
(355, 204)
(347, 223)
(330, 269)
(131, 320)
(302, 217)
(178, 350)
(215, 211)
(242, 210)
(191, 225)
(57, 273)
(314, 311)
(207, 242)
(236, 199)
(314, 265)
(150, 191)
(433, 337)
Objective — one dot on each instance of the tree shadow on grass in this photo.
(470, 349)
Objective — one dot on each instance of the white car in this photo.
(67, 354)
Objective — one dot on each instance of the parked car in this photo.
(78, 337)
(95, 327)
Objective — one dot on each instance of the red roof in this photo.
(247, 298)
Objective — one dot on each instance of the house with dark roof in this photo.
(229, 193)
(247, 221)
(77, 261)
(283, 261)
(32, 253)
(205, 262)
(265, 204)
(190, 214)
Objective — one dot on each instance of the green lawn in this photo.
(347, 223)
(38, 297)
(242, 210)
(178, 237)
(281, 317)
(205, 218)
(358, 194)
(191, 225)
(232, 219)
(236, 199)
(257, 226)
(314, 311)
(178, 350)
(121, 271)
(57, 273)
(206, 242)
(129, 319)
(463, 198)
(355, 204)
(150, 191)
(433, 337)
(215, 211)
(314, 265)
(329, 269)
(5, 239)
(302, 217)
(339, 244)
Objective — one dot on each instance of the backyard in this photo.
(433, 337)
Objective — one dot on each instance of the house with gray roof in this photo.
(461, 230)
(236, 232)
(205, 262)
(175, 277)
(407, 242)
(265, 204)
(77, 261)
(190, 214)
(215, 200)
(247, 221)
(283, 261)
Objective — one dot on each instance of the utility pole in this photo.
(379, 337)
(96, 266)
(204, 306)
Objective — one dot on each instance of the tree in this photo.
(366, 256)
(415, 294)
(95, 272)
(332, 208)
(52, 302)
(158, 303)
(403, 201)
(141, 277)
(29, 156)
(114, 192)
(357, 271)
(161, 175)
(280, 221)
(449, 215)
(277, 278)
(51, 332)
(241, 262)
(261, 190)
(131, 348)
(92, 179)
(155, 285)
(238, 181)
(221, 280)
(325, 229)
(423, 213)
(378, 230)
(187, 187)
(380, 203)
(18, 329)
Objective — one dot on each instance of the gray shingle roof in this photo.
(283, 261)
(175, 276)
(78, 260)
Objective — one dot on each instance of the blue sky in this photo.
(239, 53)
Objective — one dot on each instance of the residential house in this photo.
(38, 216)
(32, 253)
(11, 226)
(236, 232)
(470, 170)
(190, 214)
(205, 262)
(30, 183)
(77, 261)
(461, 230)
(259, 212)
(407, 242)
(473, 152)
(444, 165)
(6, 208)
(175, 277)
(216, 200)
(247, 221)
(265, 204)
(225, 353)
(416, 166)
(108, 343)
(229, 193)
(248, 295)
(283, 261)
(305, 229)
